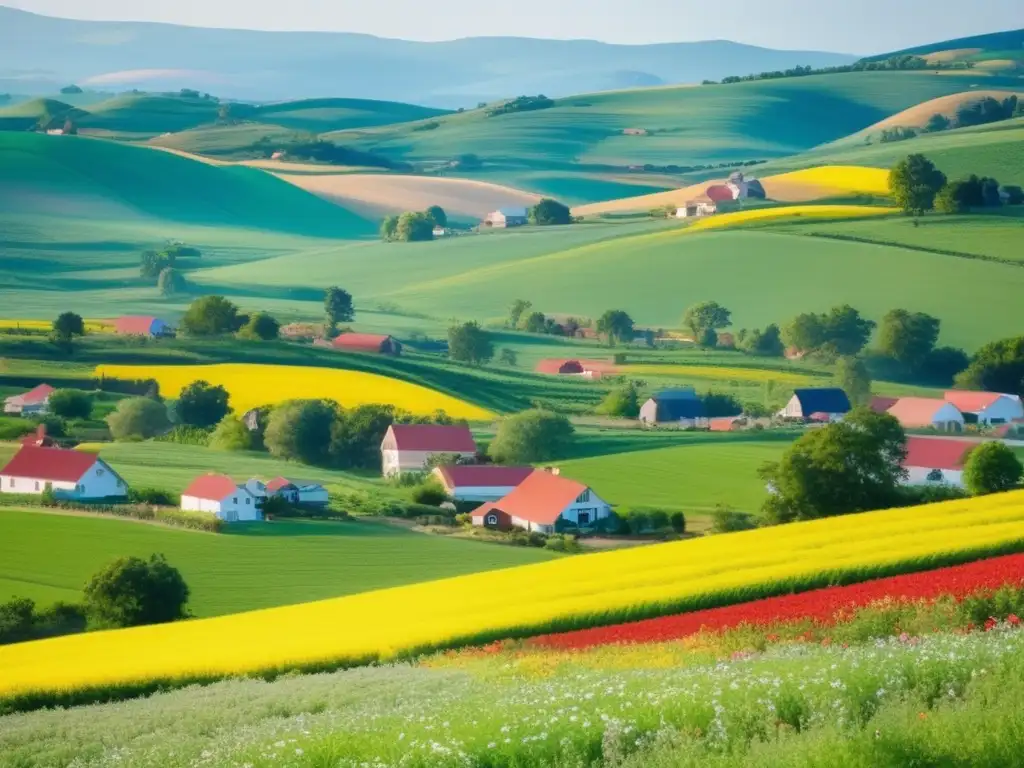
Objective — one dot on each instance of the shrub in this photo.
(202, 404)
(678, 522)
(728, 520)
(138, 418)
(430, 493)
(992, 468)
(185, 434)
(532, 436)
(261, 326)
(231, 435)
(561, 542)
(155, 496)
(131, 592)
(71, 404)
(210, 316)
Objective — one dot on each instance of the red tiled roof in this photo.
(134, 325)
(211, 487)
(972, 402)
(483, 475)
(937, 453)
(722, 424)
(53, 464)
(917, 411)
(35, 395)
(556, 366)
(719, 193)
(365, 342)
(541, 497)
(883, 404)
(278, 483)
(433, 437)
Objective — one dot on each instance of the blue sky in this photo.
(849, 26)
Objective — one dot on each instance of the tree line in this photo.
(982, 112)
(918, 186)
(899, 63)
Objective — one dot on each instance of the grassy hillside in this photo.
(322, 115)
(150, 113)
(50, 557)
(27, 114)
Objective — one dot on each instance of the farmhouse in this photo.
(73, 475)
(298, 491)
(986, 407)
(408, 447)
(694, 210)
(35, 401)
(368, 342)
(506, 217)
(141, 325)
(938, 461)
(675, 406)
(927, 413)
(829, 402)
(480, 482)
(222, 497)
(542, 500)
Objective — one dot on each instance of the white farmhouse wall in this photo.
(313, 495)
(919, 476)
(238, 507)
(98, 482)
(1003, 410)
(947, 414)
(394, 462)
(793, 409)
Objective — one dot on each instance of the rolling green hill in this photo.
(150, 113)
(322, 115)
(27, 114)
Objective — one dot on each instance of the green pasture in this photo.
(49, 557)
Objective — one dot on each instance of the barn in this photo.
(368, 342)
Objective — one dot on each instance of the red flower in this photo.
(990, 624)
(1013, 620)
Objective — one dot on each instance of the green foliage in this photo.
(708, 338)
(210, 316)
(20, 620)
(621, 402)
(707, 315)
(725, 519)
(437, 215)
(943, 364)
(507, 356)
(1015, 195)
(986, 110)
(261, 326)
(414, 227)
(231, 435)
(971, 192)
(908, 337)
(914, 182)
(616, 325)
(338, 307)
(155, 496)
(131, 592)
(766, 343)
(516, 311)
(840, 331)
(720, 404)
(202, 404)
(389, 229)
(68, 325)
(851, 466)
(71, 404)
(852, 376)
(430, 493)
(186, 434)
(677, 521)
(992, 468)
(532, 436)
(138, 418)
(469, 343)
(170, 282)
(521, 104)
(937, 122)
(300, 430)
(996, 367)
(550, 212)
(153, 263)
(356, 435)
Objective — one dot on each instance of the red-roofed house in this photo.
(883, 404)
(480, 482)
(69, 474)
(408, 447)
(927, 412)
(987, 407)
(141, 325)
(933, 460)
(222, 497)
(35, 401)
(373, 343)
(541, 500)
(297, 491)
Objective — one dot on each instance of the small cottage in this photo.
(303, 492)
(695, 210)
(372, 343)
(35, 402)
(679, 407)
(141, 325)
(222, 497)
(408, 447)
(71, 475)
(831, 402)
(480, 482)
(506, 217)
(540, 502)
(934, 461)
(986, 407)
(927, 413)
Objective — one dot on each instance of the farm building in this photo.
(986, 407)
(408, 447)
(591, 369)
(828, 401)
(927, 412)
(931, 460)
(141, 325)
(222, 497)
(542, 500)
(679, 407)
(34, 402)
(506, 217)
(294, 491)
(72, 475)
(634, 131)
(720, 193)
(882, 404)
(726, 424)
(480, 482)
(368, 342)
(695, 210)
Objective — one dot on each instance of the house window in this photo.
(583, 497)
(248, 501)
(99, 473)
(492, 519)
(583, 518)
(234, 500)
(37, 485)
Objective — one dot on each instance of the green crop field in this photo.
(49, 557)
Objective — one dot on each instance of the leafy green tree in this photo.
(706, 315)
(132, 592)
(356, 435)
(992, 468)
(908, 337)
(202, 404)
(622, 401)
(516, 311)
(914, 182)
(708, 338)
(430, 492)
(68, 325)
(231, 435)
(1014, 194)
(261, 326)
(138, 418)
(616, 326)
(852, 377)
(532, 436)
(300, 430)
(338, 307)
(170, 282)
(508, 357)
(937, 123)
(766, 343)
(152, 263)
(852, 466)
(535, 322)
(210, 316)
(469, 343)
(414, 228)
(71, 404)
(550, 212)
(846, 330)
(437, 215)
(943, 364)
(996, 367)
(389, 229)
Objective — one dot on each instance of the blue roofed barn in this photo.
(819, 404)
(680, 407)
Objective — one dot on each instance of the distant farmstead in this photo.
(222, 497)
(680, 407)
(141, 325)
(694, 209)
(936, 461)
(540, 502)
(927, 413)
(986, 407)
(71, 475)
(817, 404)
(32, 403)
(302, 492)
(506, 217)
(480, 482)
(409, 447)
(368, 342)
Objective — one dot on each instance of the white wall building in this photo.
(71, 475)
(540, 501)
(222, 497)
(936, 461)
(987, 407)
(408, 447)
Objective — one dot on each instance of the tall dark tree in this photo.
(202, 405)
(210, 316)
(852, 377)
(437, 215)
(846, 330)
(469, 343)
(616, 326)
(516, 311)
(707, 315)
(300, 430)
(548, 212)
(908, 337)
(914, 182)
(68, 325)
(170, 282)
(996, 367)
(338, 306)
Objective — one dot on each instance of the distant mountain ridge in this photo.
(39, 54)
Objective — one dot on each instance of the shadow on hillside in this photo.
(279, 529)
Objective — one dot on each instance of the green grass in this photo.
(48, 557)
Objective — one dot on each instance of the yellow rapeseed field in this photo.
(786, 211)
(573, 591)
(851, 179)
(91, 326)
(719, 373)
(252, 385)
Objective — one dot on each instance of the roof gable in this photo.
(369, 341)
(483, 475)
(513, 213)
(135, 324)
(57, 465)
(972, 402)
(932, 453)
(213, 487)
(919, 411)
(822, 400)
(541, 498)
(437, 438)
(34, 396)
